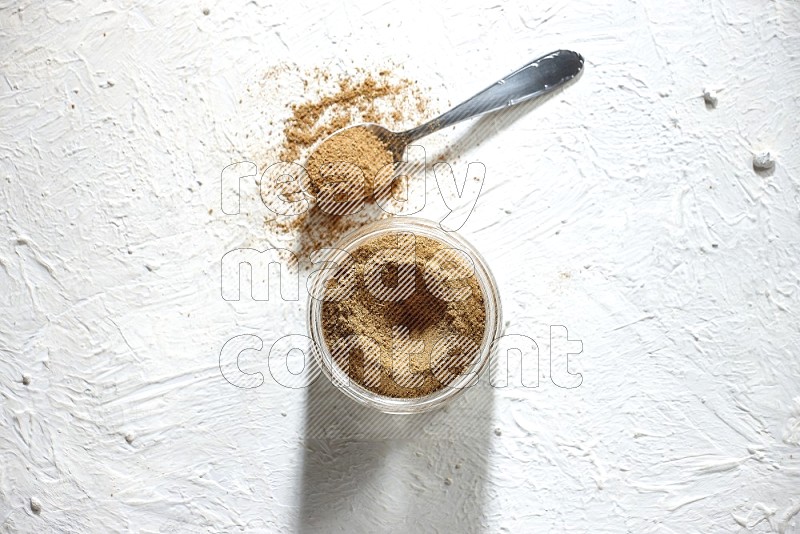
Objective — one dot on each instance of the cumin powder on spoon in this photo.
(356, 159)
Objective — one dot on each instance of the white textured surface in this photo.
(623, 208)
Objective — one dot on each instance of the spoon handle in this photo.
(534, 79)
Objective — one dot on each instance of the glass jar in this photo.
(339, 377)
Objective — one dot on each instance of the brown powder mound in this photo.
(425, 314)
(356, 146)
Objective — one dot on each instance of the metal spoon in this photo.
(538, 77)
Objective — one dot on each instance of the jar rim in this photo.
(402, 405)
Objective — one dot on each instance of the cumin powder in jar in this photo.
(406, 317)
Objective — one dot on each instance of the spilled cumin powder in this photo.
(327, 102)
(355, 159)
(381, 98)
(446, 301)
